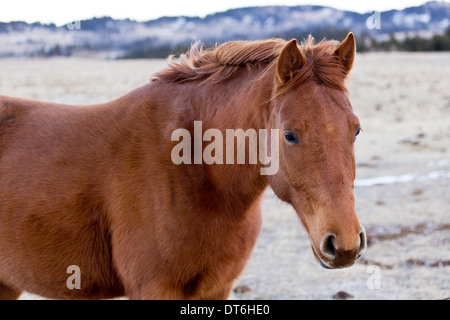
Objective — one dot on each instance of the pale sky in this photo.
(61, 12)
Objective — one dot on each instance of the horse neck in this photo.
(241, 102)
(238, 103)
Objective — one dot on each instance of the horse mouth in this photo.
(319, 259)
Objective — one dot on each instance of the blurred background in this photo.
(84, 52)
(135, 30)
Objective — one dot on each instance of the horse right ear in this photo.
(291, 60)
(346, 52)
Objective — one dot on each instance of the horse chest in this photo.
(218, 254)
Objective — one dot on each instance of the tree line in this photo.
(365, 43)
(411, 44)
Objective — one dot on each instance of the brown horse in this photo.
(95, 186)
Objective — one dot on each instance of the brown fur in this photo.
(94, 186)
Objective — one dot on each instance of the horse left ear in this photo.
(346, 51)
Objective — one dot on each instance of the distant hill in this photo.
(156, 38)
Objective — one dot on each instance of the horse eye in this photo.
(290, 137)
(357, 132)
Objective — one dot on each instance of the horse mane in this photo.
(225, 60)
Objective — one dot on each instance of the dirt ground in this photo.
(403, 176)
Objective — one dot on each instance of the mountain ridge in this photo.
(117, 37)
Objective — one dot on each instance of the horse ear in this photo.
(291, 59)
(346, 51)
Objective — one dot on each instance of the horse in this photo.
(93, 189)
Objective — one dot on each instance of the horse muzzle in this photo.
(333, 255)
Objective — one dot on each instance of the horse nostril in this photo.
(362, 242)
(328, 246)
